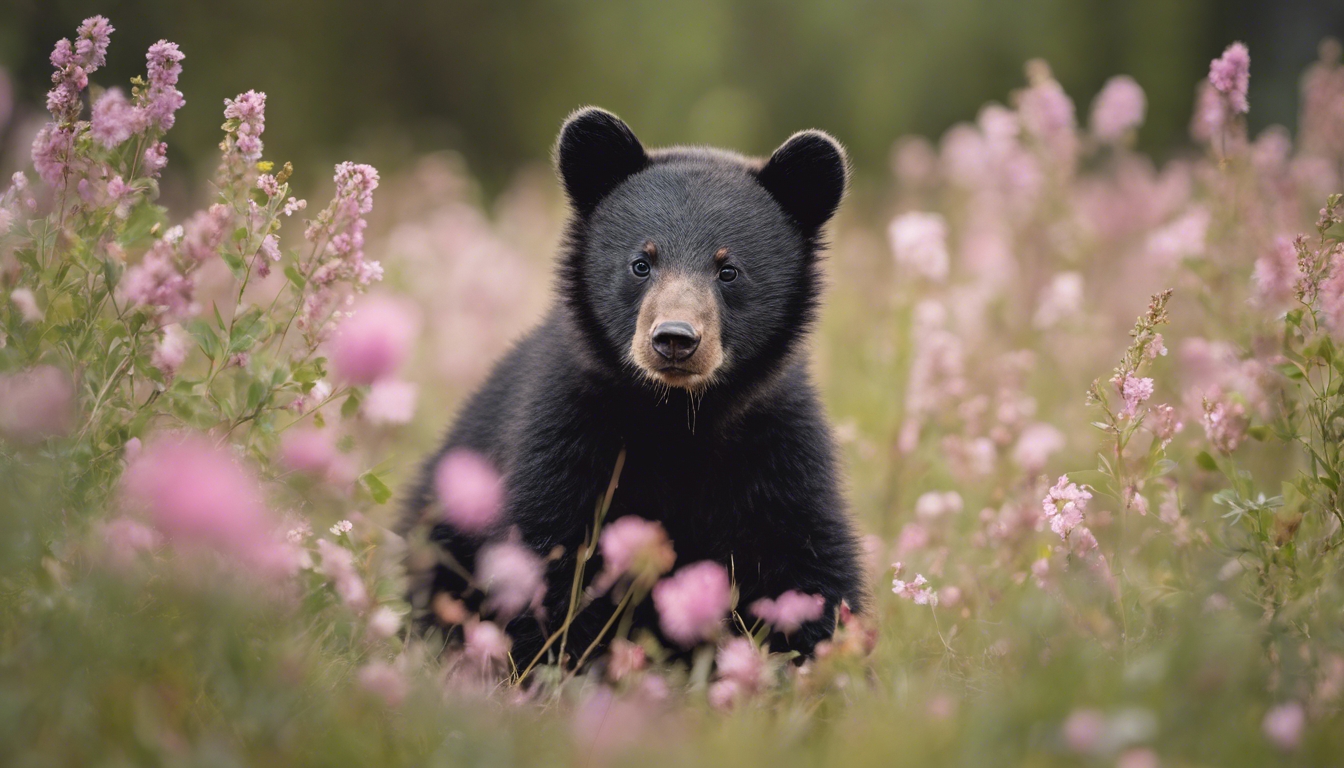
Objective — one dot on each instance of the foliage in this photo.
(166, 390)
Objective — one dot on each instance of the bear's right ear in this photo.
(807, 176)
(595, 152)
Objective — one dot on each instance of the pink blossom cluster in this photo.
(692, 602)
(916, 590)
(338, 231)
(113, 118)
(36, 404)
(1118, 109)
(743, 671)
(919, 243)
(1064, 506)
(199, 497)
(74, 64)
(374, 341)
(1230, 75)
(633, 546)
(513, 578)
(469, 490)
(249, 109)
(791, 610)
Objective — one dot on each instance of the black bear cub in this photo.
(688, 280)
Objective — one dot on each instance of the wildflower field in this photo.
(1091, 411)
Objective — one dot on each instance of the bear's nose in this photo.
(675, 340)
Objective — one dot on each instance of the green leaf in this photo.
(308, 373)
(247, 328)
(377, 488)
(1162, 467)
(1290, 370)
(351, 405)
(235, 264)
(1206, 461)
(295, 277)
(256, 393)
(205, 336)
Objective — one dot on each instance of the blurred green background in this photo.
(383, 81)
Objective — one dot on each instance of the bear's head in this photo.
(688, 267)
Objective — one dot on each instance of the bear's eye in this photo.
(640, 267)
(728, 274)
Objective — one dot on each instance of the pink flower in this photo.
(1035, 445)
(91, 44)
(1084, 730)
(157, 283)
(739, 660)
(1277, 273)
(635, 546)
(470, 491)
(1118, 109)
(338, 564)
(161, 99)
(172, 350)
(1136, 391)
(605, 725)
(512, 577)
(789, 611)
(53, 149)
(692, 602)
(1184, 237)
(1165, 423)
(1225, 424)
(935, 504)
(1230, 75)
(384, 681)
(126, 539)
(725, 694)
(919, 243)
(1137, 757)
(114, 119)
(384, 623)
(624, 659)
(339, 228)
(26, 303)
(36, 404)
(1064, 505)
(912, 538)
(249, 109)
(1047, 114)
(916, 590)
(198, 495)
(485, 643)
(374, 341)
(155, 159)
(312, 451)
(1332, 299)
(390, 402)
(1283, 725)
(1061, 300)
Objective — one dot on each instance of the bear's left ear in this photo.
(807, 177)
(595, 152)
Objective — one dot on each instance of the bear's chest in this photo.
(698, 492)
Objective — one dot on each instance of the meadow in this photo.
(1090, 406)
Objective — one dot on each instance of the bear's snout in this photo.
(675, 340)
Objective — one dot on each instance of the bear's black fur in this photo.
(738, 467)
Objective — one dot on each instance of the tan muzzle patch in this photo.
(677, 339)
